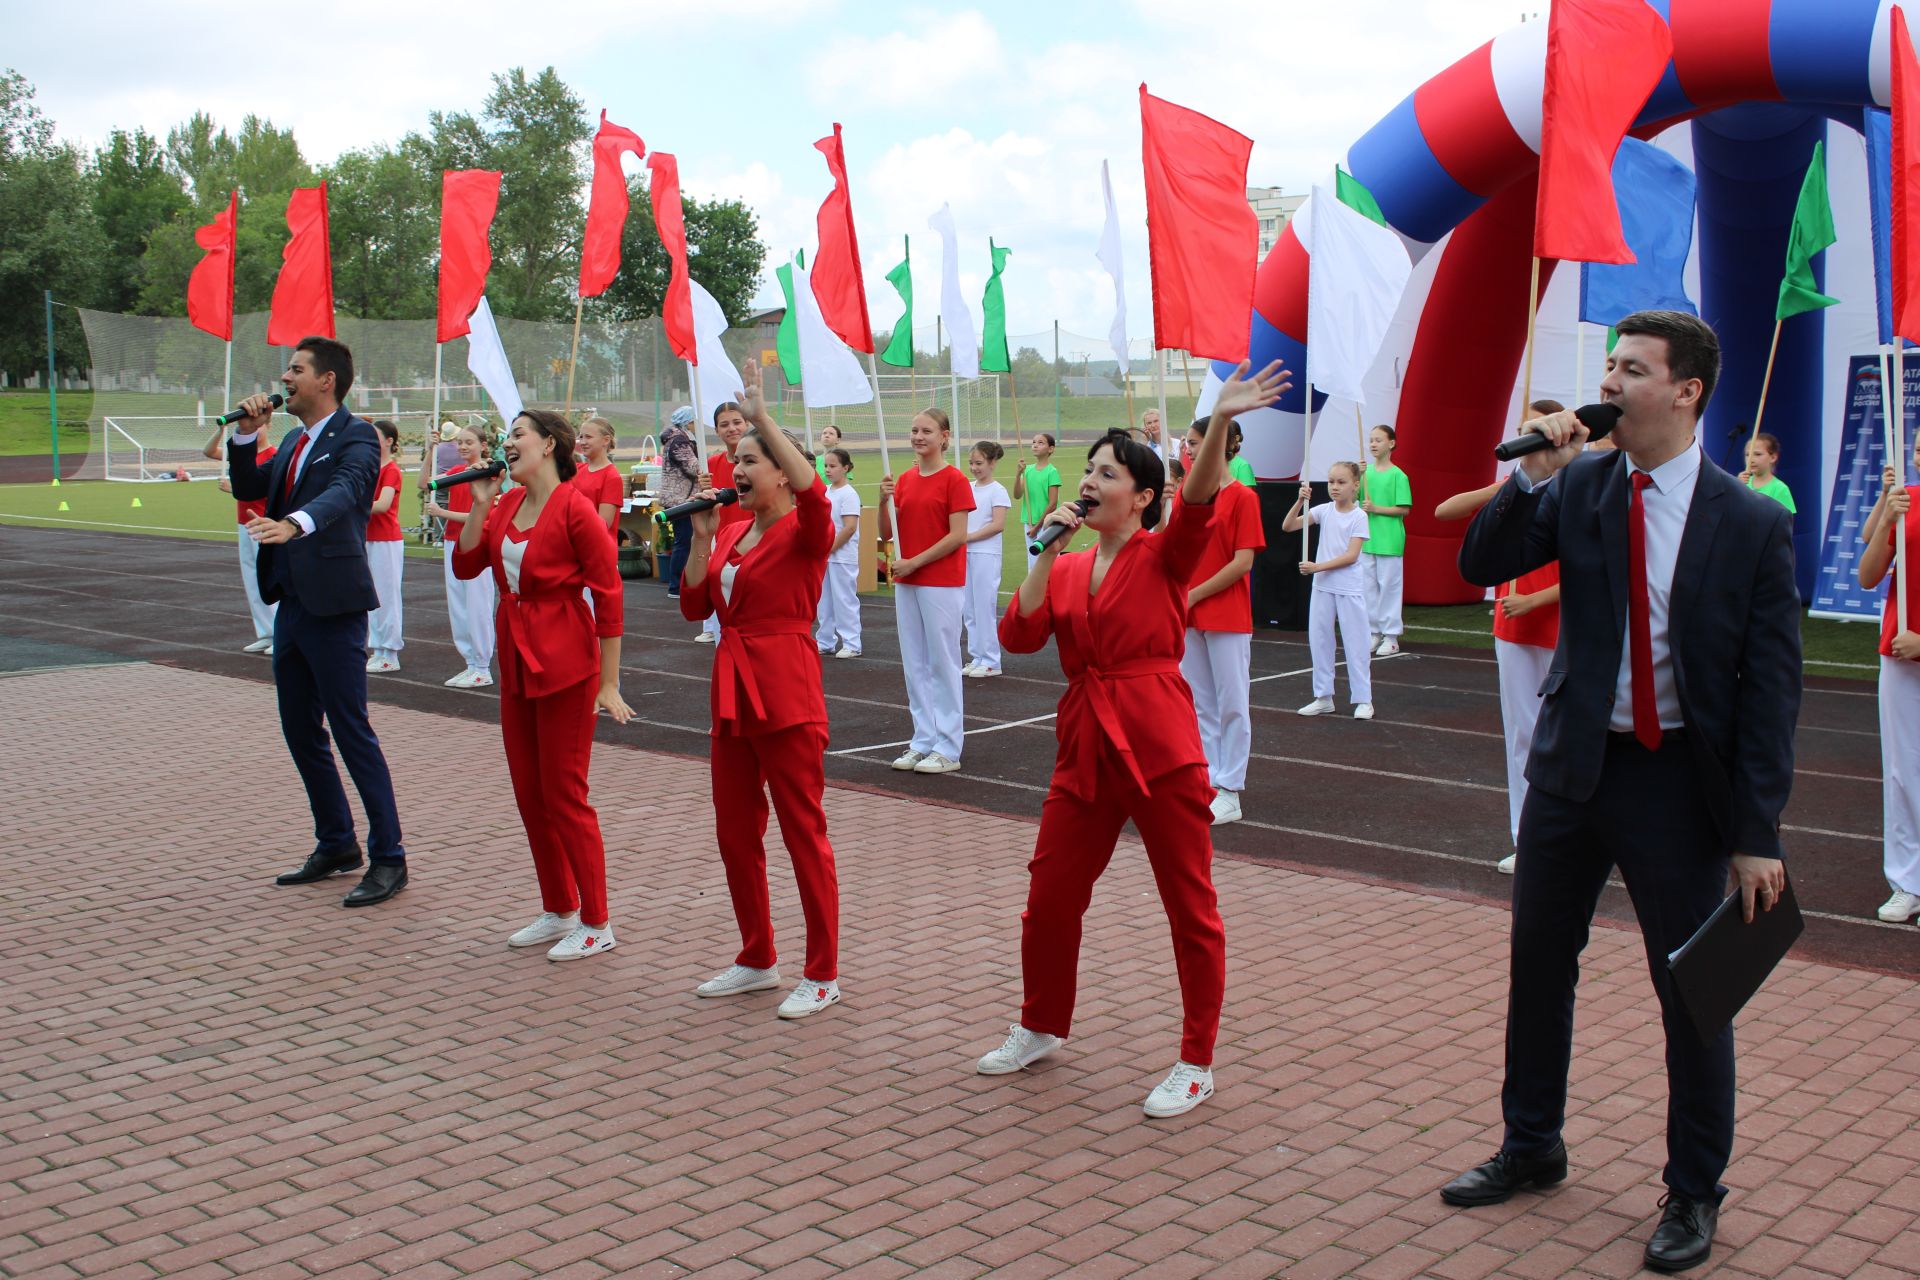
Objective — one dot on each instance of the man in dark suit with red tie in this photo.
(1664, 745)
(313, 561)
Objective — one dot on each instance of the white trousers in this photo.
(470, 614)
(250, 579)
(1386, 585)
(839, 615)
(929, 623)
(1217, 665)
(383, 624)
(1522, 669)
(1351, 613)
(1900, 762)
(980, 607)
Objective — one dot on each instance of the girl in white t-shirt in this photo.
(980, 607)
(839, 618)
(1339, 591)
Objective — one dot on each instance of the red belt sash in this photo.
(729, 672)
(1097, 682)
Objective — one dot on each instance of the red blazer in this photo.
(766, 671)
(1121, 651)
(549, 639)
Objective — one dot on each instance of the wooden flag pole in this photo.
(574, 354)
(699, 410)
(886, 462)
(1186, 375)
(1765, 382)
(1533, 317)
(1360, 427)
(1899, 463)
(1013, 390)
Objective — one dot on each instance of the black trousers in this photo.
(1647, 818)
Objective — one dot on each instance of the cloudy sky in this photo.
(1005, 110)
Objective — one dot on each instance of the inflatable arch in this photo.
(1752, 86)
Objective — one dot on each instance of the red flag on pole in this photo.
(1203, 238)
(210, 287)
(1906, 181)
(607, 207)
(836, 267)
(303, 295)
(468, 198)
(1604, 57)
(668, 218)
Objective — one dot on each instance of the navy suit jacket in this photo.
(326, 570)
(1734, 633)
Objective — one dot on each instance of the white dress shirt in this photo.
(312, 434)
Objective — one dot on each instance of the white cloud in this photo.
(895, 69)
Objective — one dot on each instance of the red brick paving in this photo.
(204, 1075)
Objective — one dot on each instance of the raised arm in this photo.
(753, 402)
(1239, 395)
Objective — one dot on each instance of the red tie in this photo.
(1646, 709)
(300, 447)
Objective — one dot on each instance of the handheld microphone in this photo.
(232, 416)
(720, 498)
(1599, 419)
(440, 484)
(1054, 532)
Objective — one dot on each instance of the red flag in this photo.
(1203, 238)
(1604, 57)
(210, 287)
(836, 267)
(677, 312)
(468, 198)
(303, 295)
(607, 207)
(1906, 181)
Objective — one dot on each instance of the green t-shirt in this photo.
(1033, 503)
(1387, 487)
(1776, 489)
(820, 465)
(1242, 470)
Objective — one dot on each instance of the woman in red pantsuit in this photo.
(559, 665)
(1129, 740)
(761, 579)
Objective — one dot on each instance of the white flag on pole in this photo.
(1359, 272)
(719, 379)
(963, 337)
(487, 360)
(1110, 258)
(829, 373)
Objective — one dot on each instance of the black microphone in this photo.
(232, 416)
(1600, 419)
(720, 498)
(1054, 532)
(486, 471)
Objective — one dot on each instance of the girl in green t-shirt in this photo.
(1387, 498)
(1763, 457)
(1037, 488)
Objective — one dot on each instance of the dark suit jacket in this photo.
(326, 570)
(1734, 631)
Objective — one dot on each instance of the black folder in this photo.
(1717, 970)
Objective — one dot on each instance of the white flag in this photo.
(487, 360)
(829, 373)
(1359, 270)
(1110, 258)
(965, 339)
(718, 379)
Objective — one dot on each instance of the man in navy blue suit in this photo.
(313, 561)
(1664, 745)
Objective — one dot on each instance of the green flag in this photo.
(786, 343)
(993, 342)
(1812, 232)
(1353, 193)
(899, 352)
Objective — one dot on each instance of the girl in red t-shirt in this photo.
(386, 554)
(597, 476)
(262, 612)
(469, 602)
(929, 576)
(1897, 516)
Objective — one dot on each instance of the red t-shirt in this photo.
(1912, 531)
(923, 507)
(384, 526)
(720, 467)
(459, 499)
(1541, 628)
(601, 487)
(248, 510)
(1236, 527)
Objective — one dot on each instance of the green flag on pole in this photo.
(899, 352)
(786, 343)
(1353, 193)
(1812, 232)
(993, 343)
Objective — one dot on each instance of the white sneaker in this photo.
(970, 667)
(1363, 711)
(462, 681)
(548, 926)
(1901, 907)
(1373, 642)
(259, 646)
(934, 762)
(1226, 807)
(1505, 865)
(738, 980)
(845, 651)
(1022, 1049)
(1389, 646)
(705, 637)
(268, 651)
(1318, 707)
(909, 759)
(480, 678)
(980, 671)
(584, 941)
(381, 666)
(1185, 1088)
(809, 998)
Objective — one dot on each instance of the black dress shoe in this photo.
(1685, 1234)
(1497, 1179)
(319, 866)
(382, 881)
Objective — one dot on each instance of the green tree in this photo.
(135, 192)
(724, 254)
(49, 237)
(383, 215)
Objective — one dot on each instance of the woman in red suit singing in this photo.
(559, 665)
(761, 578)
(1129, 740)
